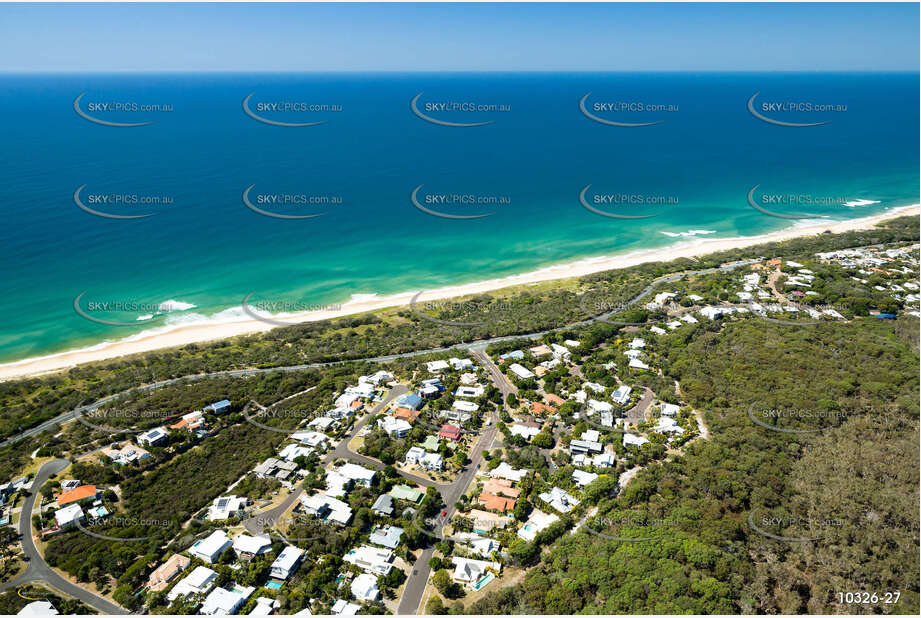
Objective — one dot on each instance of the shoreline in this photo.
(178, 335)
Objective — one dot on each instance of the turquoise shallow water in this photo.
(207, 249)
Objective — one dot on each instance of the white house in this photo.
(469, 391)
(505, 471)
(155, 437)
(633, 440)
(226, 507)
(636, 363)
(211, 548)
(521, 371)
(293, 451)
(478, 545)
(599, 406)
(38, 608)
(364, 587)
(358, 474)
(199, 581)
(395, 427)
(327, 508)
(287, 562)
(559, 499)
(437, 366)
(312, 439)
(248, 546)
(372, 560)
(537, 522)
(461, 364)
(469, 572)
(69, 516)
(465, 406)
(621, 395)
(583, 478)
(670, 409)
(637, 344)
(524, 431)
(593, 386)
(223, 602)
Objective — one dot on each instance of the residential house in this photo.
(449, 432)
(383, 505)
(514, 355)
(460, 364)
(465, 406)
(38, 608)
(199, 581)
(411, 401)
(484, 521)
(387, 536)
(496, 503)
(437, 366)
(622, 395)
(469, 572)
(157, 436)
(371, 559)
(404, 492)
(633, 440)
(248, 547)
(69, 516)
(127, 453)
(83, 493)
(526, 431)
(218, 407)
(537, 522)
(520, 371)
(286, 563)
(167, 572)
(583, 478)
(394, 427)
(670, 409)
(364, 587)
(226, 507)
(505, 471)
(211, 548)
(577, 447)
(344, 608)
(406, 414)
(559, 499)
(223, 602)
(327, 508)
(477, 545)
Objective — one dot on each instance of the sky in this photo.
(459, 37)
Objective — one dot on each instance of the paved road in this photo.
(38, 569)
(477, 346)
(450, 494)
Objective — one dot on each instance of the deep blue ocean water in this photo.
(207, 249)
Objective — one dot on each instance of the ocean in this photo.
(380, 162)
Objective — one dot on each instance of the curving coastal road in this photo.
(38, 569)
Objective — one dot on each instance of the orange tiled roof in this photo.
(496, 503)
(554, 399)
(540, 408)
(76, 494)
(406, 414)
(501, 487)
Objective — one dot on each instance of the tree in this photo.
(442, 581)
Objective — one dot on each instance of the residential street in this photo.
(38, 569)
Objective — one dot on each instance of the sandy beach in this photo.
(170, 336)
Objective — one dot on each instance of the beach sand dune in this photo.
(194, 333)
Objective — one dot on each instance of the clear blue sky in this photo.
(458, 37)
